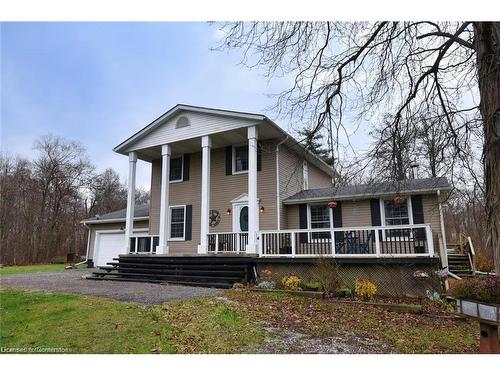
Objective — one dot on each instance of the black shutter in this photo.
(229, 160)
(303, 222)
(418, 216)
(189, 223)
(259, 157)
(185, 167)
(337, 222)
(375, 213)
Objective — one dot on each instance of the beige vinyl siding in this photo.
(93, 228)
(290, 178)
(356, 213)
(223, 189)
(181, 193)
(431, 216)
(318, 178)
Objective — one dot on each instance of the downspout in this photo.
(278, 202)
(88, 246)
(443, 232)
(444, 253)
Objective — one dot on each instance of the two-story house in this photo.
(232, 183)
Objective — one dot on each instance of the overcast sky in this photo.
(99, 83)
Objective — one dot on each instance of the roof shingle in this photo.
(421, 185)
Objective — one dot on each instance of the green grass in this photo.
(96, 325)
(14, 270)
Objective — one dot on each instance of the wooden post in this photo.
(488, 343)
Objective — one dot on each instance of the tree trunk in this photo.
(487, 43)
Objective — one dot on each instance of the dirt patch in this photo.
(286, 341)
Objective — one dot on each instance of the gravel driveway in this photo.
(73, 281)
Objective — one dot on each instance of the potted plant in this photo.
(480, 299)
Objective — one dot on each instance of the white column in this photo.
(129, 221)
(162, 247)
(206, 144)
(253, 207)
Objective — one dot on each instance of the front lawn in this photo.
(406, 332)
(96, 325)
(235, 322)
(14, 270)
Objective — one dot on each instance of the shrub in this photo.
(312, 285)
(482, 290)
(326, 274)
(365, 289)
(343, 292)
(291, 282)
(484, 264)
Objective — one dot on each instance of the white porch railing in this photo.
(368, 242)
(227, 242)
(143, 244)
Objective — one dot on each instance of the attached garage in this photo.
(107, 234)
(108, 245)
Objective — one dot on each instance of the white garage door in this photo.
(108, 246)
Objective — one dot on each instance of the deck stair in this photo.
(461, 257)
(207, 271)
(459, 264)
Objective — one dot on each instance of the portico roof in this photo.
(147, 143)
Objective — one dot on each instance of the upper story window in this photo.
(177, 222)
(176, 168)
(240, 159)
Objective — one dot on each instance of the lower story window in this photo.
(177, 222)
(396, 214)
(320, 219)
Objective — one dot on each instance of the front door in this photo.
(243, 219)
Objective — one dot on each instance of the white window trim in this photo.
(170, 238)
(382, 216)
(182, 169)
(305, 175)
(309, 224)
(233, 166)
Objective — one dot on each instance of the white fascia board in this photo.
(172, 112)
(108, 221)
(291, 141)
(354, 196)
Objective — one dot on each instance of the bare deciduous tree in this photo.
(43, 201)
(400, 68)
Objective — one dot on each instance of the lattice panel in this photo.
(391, 279)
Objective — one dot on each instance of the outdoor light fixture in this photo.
(228, 212)
(261, 209)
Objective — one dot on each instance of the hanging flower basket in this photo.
(399, 200)
(332, 204)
